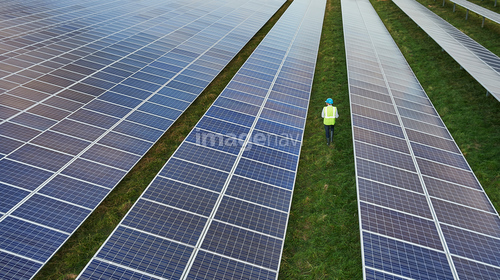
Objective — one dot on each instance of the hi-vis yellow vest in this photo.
(329, 112)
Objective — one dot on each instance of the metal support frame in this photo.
(467, 15)
(443, 2)
(482, 25)
(454, 5)
(495, 3)
(487, 93)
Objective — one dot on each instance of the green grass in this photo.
(322, 239)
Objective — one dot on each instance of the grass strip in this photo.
(322, 240)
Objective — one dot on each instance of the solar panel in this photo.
(85, 90)
(479, 62)
(219, 207)
(485, 13)
(422, 212)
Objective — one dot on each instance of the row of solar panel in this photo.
(484, 12)
(106, 16)
(411, 174)
(92, 148)
(479, 62)
(219, 206)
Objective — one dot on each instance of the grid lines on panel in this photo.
(417, 195)
(87, 88)
(479, 62)
(234, 174)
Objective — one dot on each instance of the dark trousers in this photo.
(329, 131)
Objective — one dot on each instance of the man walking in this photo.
(329, 114)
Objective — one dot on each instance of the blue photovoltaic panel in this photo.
(224, 195)
(87, 88)
(484, 12)
(479, 62)
(423, 213)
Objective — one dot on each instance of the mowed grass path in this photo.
(322, 240)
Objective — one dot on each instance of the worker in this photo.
(329, 114)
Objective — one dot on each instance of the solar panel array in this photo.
(422, 212)
(86, 89)
(219, 207)
(479, 62)
(485, 13)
